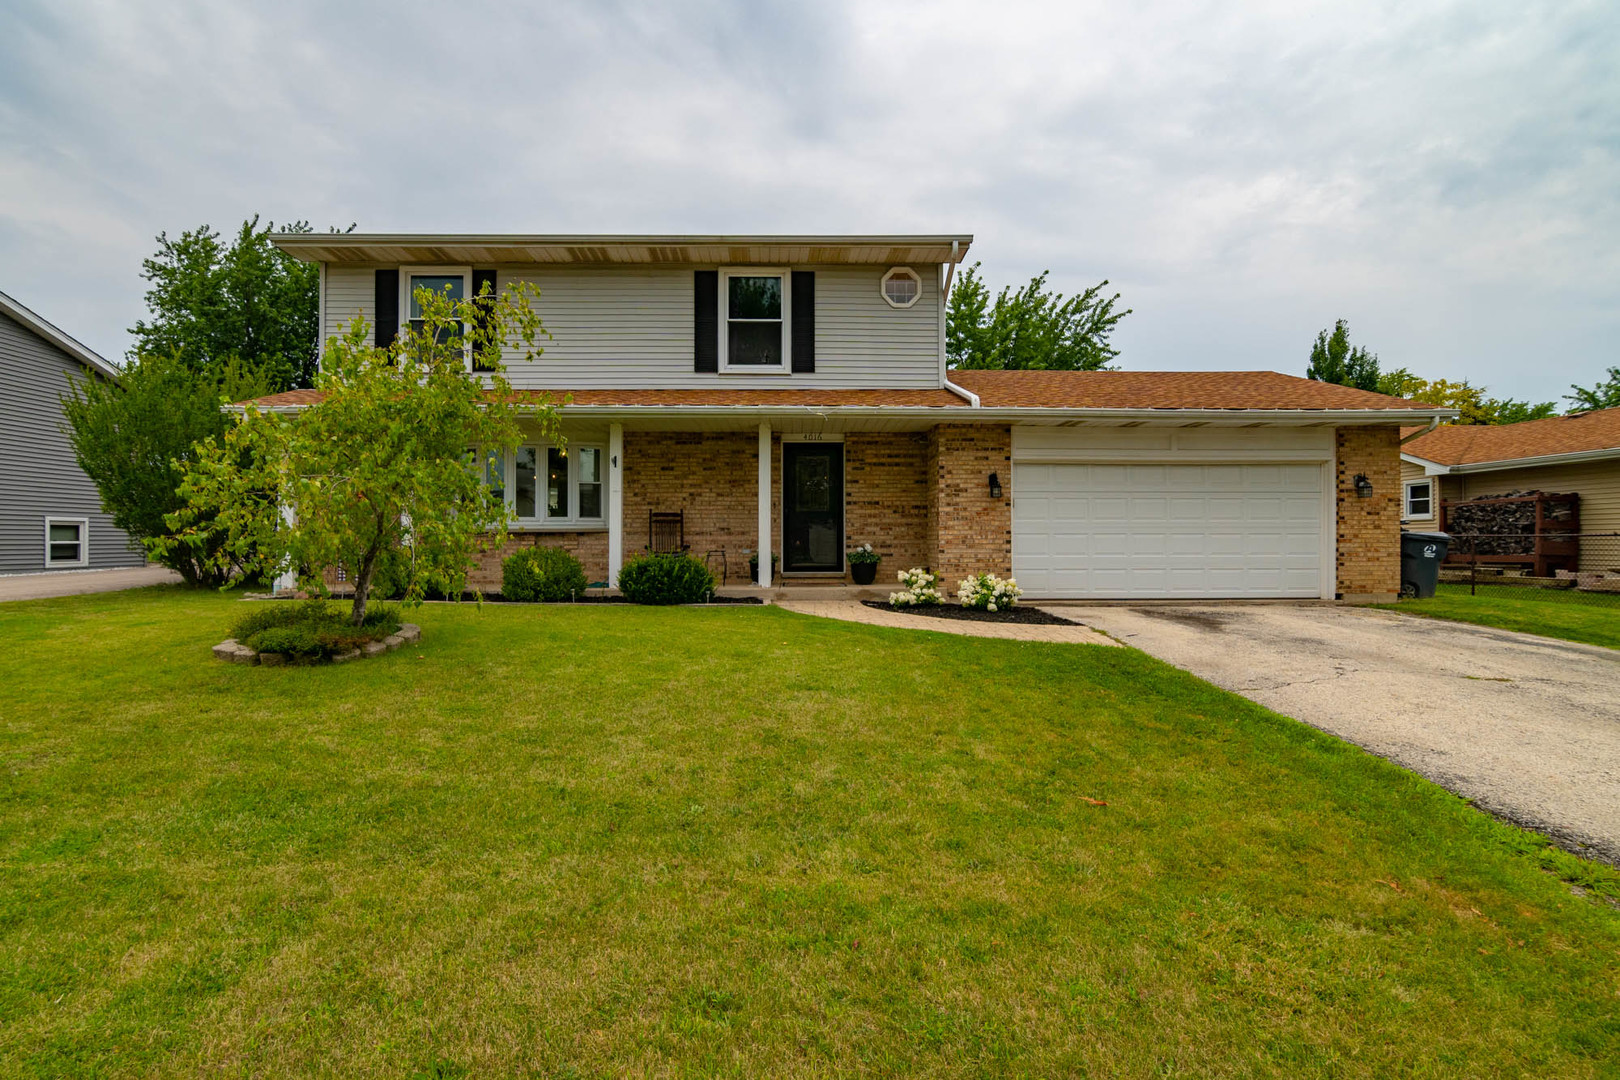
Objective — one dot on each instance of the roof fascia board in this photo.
(44, 329)
(1505, 464)
(960, 413)
(290, 240)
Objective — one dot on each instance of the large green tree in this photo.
(1603, 395)
(213, 302)
(1029, 328)
(1474, 405)
(380, 469)
(136, 435)
(1335, 360)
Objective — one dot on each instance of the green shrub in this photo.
(293, 641)
(542, 573)
(312, 629)
(675, 578)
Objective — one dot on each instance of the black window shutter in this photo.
(483, 303)
(387, 307)
(804, 322)
(706, 320)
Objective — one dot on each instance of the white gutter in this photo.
(1435, 468)
(975, 414)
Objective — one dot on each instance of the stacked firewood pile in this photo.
(1493, 525)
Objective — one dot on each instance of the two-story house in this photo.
(790, 394)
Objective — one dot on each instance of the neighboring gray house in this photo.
(50, 514)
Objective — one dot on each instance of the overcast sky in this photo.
(1443, 175)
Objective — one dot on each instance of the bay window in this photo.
(551, 486)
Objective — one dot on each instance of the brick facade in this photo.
(590, 548)
(886, 498)
(711, 477)
(968, 531)
(1369, 530)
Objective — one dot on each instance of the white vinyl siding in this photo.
(627, 328)
(350, 292)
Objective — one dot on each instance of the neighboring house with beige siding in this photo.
(1562, 454)
(789, 394)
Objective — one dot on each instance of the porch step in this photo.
(834, 590)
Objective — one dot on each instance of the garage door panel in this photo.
(1168, 530)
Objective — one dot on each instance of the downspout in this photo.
(950, 275)
(1434, 422)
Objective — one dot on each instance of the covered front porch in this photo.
(805, 487)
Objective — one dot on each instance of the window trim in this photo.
(540, 522)
(883, 286)
(84, 543)
(786, 275)
(405, 274)
(1406, 500)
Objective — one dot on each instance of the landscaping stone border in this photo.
(235, 652)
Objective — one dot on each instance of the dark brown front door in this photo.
(812, 507)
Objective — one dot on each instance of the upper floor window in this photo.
(448, 281)
(902, 287)
(754, 320)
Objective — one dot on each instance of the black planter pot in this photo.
(863, 573)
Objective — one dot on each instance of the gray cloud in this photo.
(1442, 174)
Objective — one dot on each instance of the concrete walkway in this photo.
(74, 582)
(855, 611)
(1527, 727)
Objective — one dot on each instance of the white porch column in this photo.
(615, 509)
(287, 580)
(765, 548)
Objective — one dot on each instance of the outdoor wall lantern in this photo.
(1363, 486)
(995, 486)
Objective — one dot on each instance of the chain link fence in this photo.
(1580, 568)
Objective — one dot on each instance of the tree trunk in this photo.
(362, 588)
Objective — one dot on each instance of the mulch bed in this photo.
(1027, 615)
(497, 598)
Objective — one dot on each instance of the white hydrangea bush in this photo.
(989, 593)
(920, 589)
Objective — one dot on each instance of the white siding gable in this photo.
(620, 328)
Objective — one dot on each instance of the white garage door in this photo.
(1139, 531)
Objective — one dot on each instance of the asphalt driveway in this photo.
(1526, 727)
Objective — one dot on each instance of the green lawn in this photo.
(617, 841)
(1589, 617)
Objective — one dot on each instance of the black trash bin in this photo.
(1421, 556)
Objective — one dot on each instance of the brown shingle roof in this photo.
(1263, 390)
(1166, 390)
(1471, 444)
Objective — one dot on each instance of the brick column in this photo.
(1369, 530)
(968, 531)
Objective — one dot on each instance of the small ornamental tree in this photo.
(390, 461)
